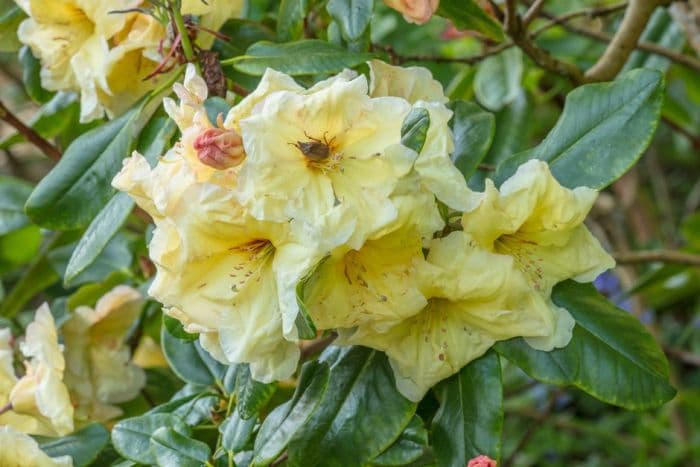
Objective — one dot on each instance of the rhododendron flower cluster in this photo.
(305, 200)
(104, 49)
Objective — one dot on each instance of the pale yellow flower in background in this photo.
(212, 15)
(148, 354)
(539, 223)
(474, 298)
(331, 147)
(41, 392)
(433, 165)
(99, 371)
(414, 11)
(19, 450)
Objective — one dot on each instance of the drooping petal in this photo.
(411, 83)
(20, 450)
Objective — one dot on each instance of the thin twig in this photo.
(693, 138)
(663, 256)
(514, 28)
(473, 60)
(280, 459)
(532, 429)
(532, 12)
(32, 136)
(316, 346)
(588, 12)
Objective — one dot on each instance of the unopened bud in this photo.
(482, 461)
(219, 148)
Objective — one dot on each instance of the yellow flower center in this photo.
(521, 250)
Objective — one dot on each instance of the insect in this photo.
(315, 149)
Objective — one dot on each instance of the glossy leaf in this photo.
(190, 361)
(319, 57)
(470, 419)
(251, 395)
(361, 387)
(473, 129)
(83, 445)
(132, 437)
(498, 79)
(303, 322)
(152, 143)
(9, 22)
(468, 15)
(13, 194)
(411, 446)
(30, 76)
(175, 449)
(602, 132)
(663, 31)
(414, 129)
(290, 19)
(116, 257)
(282, 423)
(79, 186)
(611, 355)
(353, 17)
(236, 432)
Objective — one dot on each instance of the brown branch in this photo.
(588, 12)
(280, 459)
(532, 12)
(663, 256)
(32, 136)
(692, 138)
(473, 60)
(636, 17)
(317, 345)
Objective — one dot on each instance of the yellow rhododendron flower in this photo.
(539, 223)
(106, 56)
(99, 372)
(332, 146)
(433, 165)
(473, 299)
(20, 450)
(41, 392)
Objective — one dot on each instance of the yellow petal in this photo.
(20, 450)
(411, 83)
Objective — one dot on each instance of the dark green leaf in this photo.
(242, 34)
(603, 130)
(236, 432)
(89, 294)
(9, 22)
(290, 19)
(116, 257)
(13, 194)
(131, 437)
(283, 422)
(498, 79)
(175, 329)
(251, 395)
(215, 106)
(611, 355)
(190, 361)
(79, 186)
(663, 31)
(361, 388)
(83, 445)
(414, 129)
(466, 14)
(30, 76)
(173, 449)
(470, 419)
(473, 130)
(353, 17)
(319, 57)
(411, 446)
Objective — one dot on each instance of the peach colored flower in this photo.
(414, 11)
(482, 461)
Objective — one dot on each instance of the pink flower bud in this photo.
(482, 461)
(219, 148)
(414, 11)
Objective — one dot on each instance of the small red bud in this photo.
(219, 148)
(482, 461)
